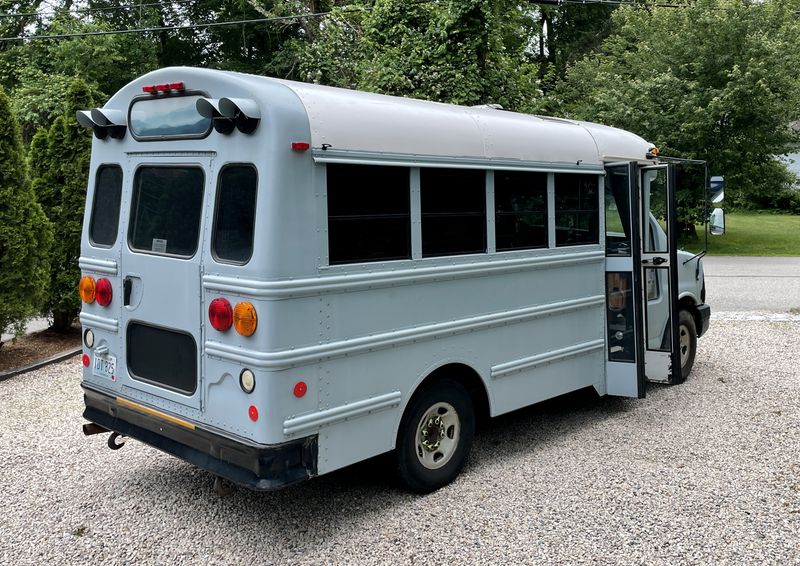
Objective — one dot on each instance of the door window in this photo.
(166, 210)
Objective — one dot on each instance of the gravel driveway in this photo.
(703, 473)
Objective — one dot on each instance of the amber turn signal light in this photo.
(86, 288)
(244, 319)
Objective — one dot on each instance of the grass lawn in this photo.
(754, 233)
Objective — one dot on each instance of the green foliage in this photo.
(62, 165)
(39, 74)
(25, 233)
(461, 51)
(715, 81)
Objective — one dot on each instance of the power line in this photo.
(164, 28)
(92, 10)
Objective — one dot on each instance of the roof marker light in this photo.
(163, 87)
(177, 86)
(149, 89)
(300, 146)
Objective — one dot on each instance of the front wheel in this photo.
(435, 436)
(687, 331)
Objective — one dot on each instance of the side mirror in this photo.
(717, 222)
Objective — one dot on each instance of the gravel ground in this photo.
(703, 473)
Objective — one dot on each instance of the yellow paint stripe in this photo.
(155, 413)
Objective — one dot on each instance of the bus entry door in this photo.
(659, 274)
(624, 317)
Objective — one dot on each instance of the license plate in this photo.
(105, 366)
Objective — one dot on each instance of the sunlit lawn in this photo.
(754, 233)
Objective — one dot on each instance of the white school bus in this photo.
(281, 279)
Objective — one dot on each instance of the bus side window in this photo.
(235, 215)
(577, 209)
(453, 211)
(520, 200)
(104, 222)
(369, 213)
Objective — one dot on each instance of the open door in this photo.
(658, 260)
(624, 315)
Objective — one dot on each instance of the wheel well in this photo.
(688, 304)
(471, 381)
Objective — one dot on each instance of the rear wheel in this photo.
(687, 331)
(435, 436)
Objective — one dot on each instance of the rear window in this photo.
(174, 116)
(236, 214)
(166, 208)
(105, 208)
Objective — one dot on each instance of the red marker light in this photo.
(149, 89)
(252, 412)
(177, 86)
(103, 292)
(85, 360)
(300, 146)
(163, 87)
(220, 314)
(300, 389)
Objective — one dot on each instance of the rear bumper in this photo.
(254, 466)
(705, 319)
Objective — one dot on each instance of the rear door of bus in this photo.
(160, 268)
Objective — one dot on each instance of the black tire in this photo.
(687, 332)
(431, 453)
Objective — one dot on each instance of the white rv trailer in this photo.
(282, 279)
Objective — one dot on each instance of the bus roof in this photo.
(350, 120)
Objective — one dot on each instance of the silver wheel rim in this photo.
(437, 436)
(686, 345)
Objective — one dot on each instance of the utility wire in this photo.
(164, 28)
(92, 10)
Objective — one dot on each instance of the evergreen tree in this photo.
(63, 166)
(25, 233)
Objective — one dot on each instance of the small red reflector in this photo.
(220, 314)
(103, 292)
(150, 89)
(300, 146)
(300, 388)
(85, 360)
(177, 86)
(252, 412)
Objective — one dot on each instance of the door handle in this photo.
(127, 287)
(656, 260)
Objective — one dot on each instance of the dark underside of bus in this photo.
(256, 467)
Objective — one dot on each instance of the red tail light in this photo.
(103, 293)
(220, 314)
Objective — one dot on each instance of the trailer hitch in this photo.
(112, 441)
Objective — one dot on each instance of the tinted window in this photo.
(520, 201)
(577, 209)
(453, 211)
(105, 208)
(165, 212)
(174, 116)
(618, 230)
(236, 213)
(369, 213)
